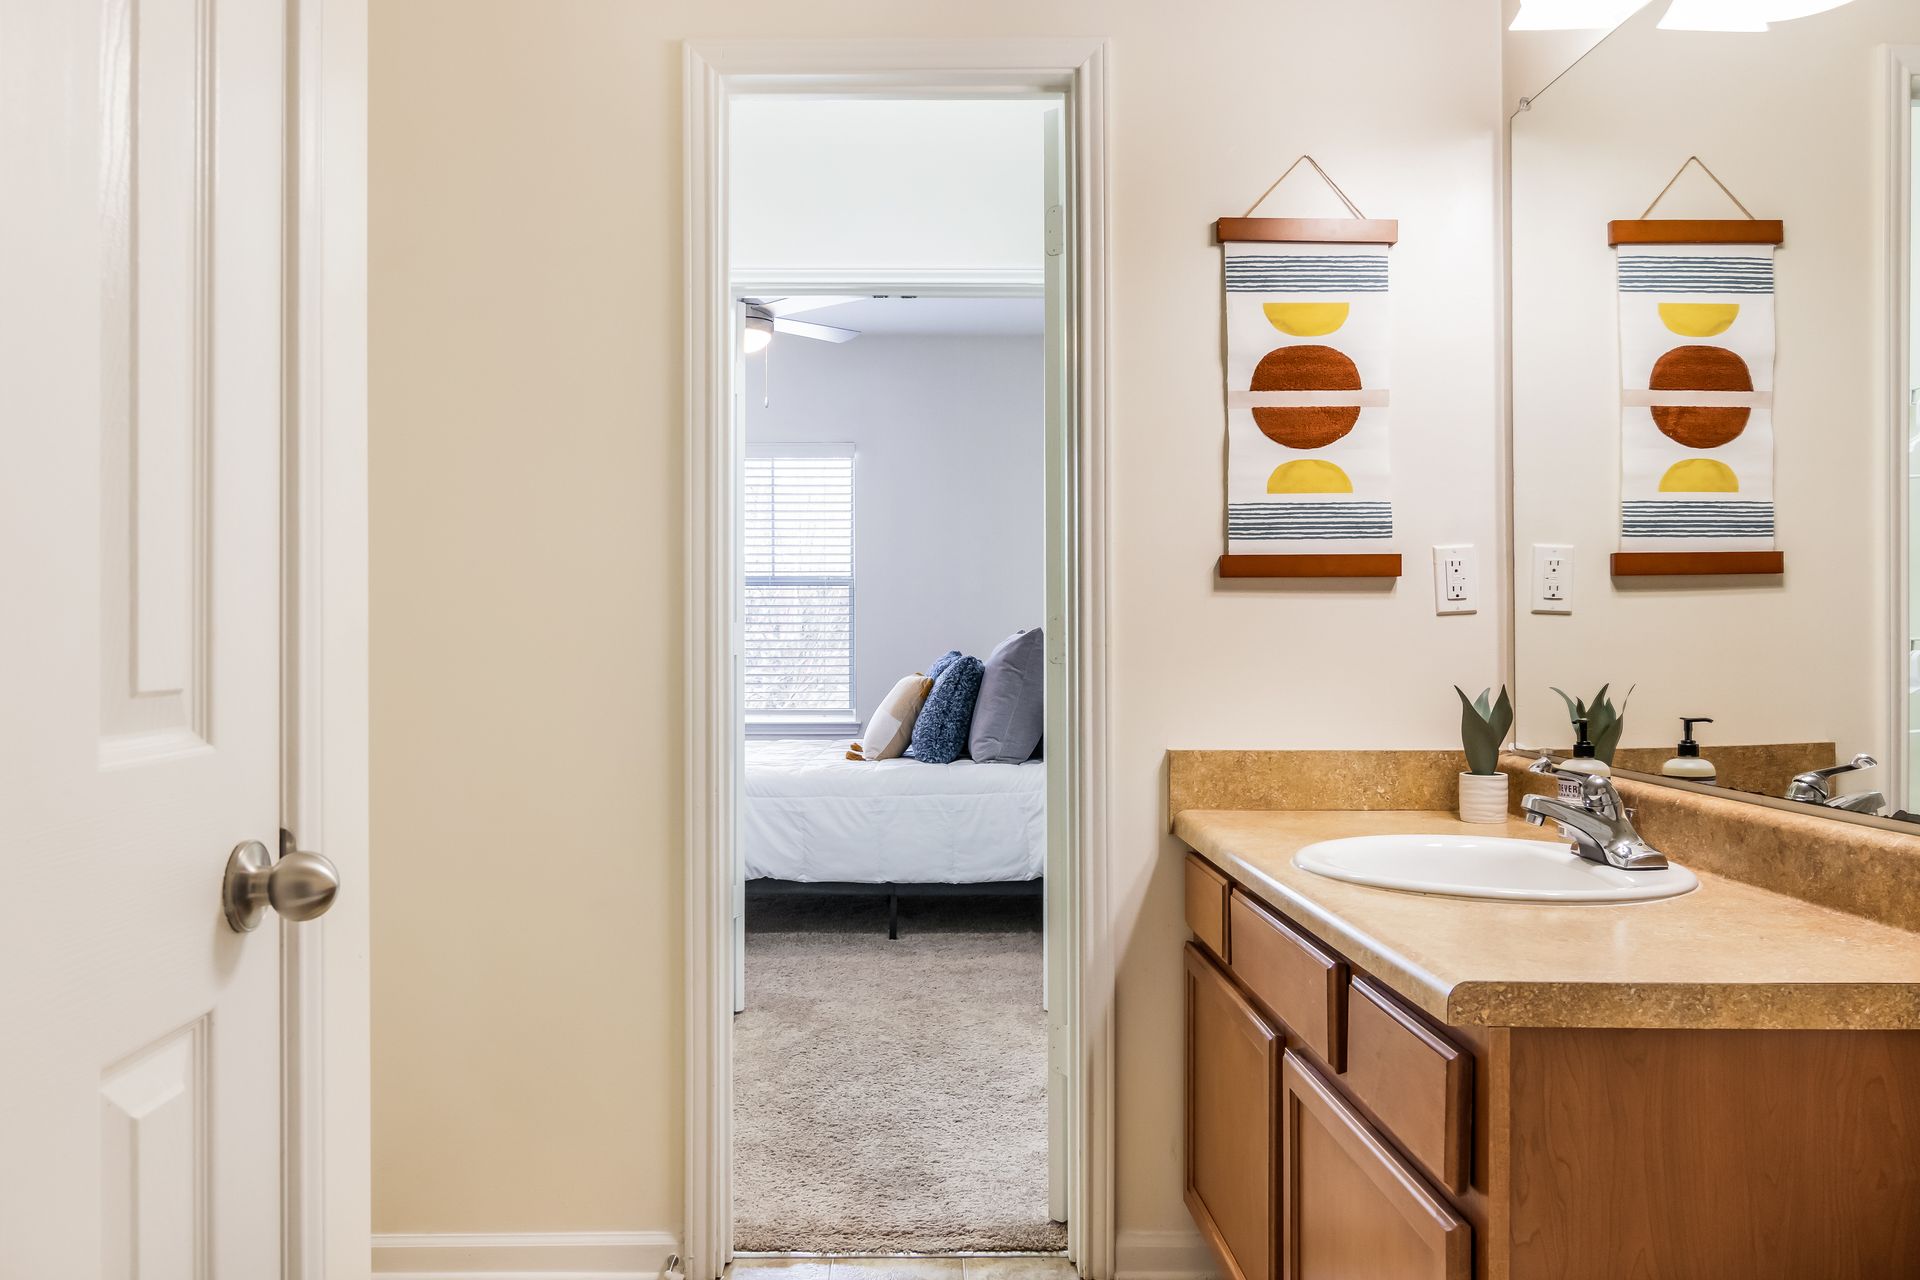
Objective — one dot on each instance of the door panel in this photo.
(1233, 1124)
(1350, 1206)
(140, 358)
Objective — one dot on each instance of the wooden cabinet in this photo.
(1336, 1133)
(1291, 974)
(1417, 1083)
(1350, 1206)
(1233, 1122)
(1207, 905)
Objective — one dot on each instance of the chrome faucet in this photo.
(1812, 787)
(1600, 826)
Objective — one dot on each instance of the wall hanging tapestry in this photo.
(1696, 402)
(1309, 467)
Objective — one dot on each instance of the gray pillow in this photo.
(1012, 707)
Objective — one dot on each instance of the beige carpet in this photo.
(891, 1096)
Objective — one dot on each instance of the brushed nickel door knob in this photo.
(299, 885)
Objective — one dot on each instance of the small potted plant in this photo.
(1605, 722)
(1483, 727)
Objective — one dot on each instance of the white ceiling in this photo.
(968, 316)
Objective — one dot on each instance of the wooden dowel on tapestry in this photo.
(1696, 231)
(1664, 564)
(1329, 565)
(1308, 230)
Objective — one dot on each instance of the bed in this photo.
(814, 821)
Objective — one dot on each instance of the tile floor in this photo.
(926, 1268)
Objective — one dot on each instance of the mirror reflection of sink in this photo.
(1487, 867)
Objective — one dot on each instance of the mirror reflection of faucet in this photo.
(1814, 787)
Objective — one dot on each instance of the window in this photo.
(799, 567)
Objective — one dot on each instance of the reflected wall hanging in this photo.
(1309, 467)
(1696, 401)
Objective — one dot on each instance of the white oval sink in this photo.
(1487, 867)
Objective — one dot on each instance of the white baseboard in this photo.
(1162, 1255)
(553, 1255)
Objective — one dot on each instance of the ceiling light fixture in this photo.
(1681, 15)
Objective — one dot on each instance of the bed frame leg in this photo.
(893, 916)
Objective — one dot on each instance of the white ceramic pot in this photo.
(1483, 797)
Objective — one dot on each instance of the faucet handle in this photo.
(1861, 761)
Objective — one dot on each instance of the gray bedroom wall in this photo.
(950, 521)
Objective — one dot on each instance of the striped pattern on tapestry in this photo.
(1662, 273)
(1301, 273)
(1309, 520)
(1670, 519)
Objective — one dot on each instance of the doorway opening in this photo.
(1079, 953)
(891, 1084)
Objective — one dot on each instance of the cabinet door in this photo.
(1350, 1206)
(1233, 1122)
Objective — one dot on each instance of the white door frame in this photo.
(326, 1121)
(715, 71)
(1902, 65)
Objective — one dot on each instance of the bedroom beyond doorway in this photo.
(892, 1089)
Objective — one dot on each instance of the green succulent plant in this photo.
(1483, 727)
(1605, 722)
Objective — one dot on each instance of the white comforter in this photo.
(811, 814)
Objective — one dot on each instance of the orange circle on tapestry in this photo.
(1305, 368)
(1700, 369)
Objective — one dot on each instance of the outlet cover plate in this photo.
(1552, 577)
(1456, 580)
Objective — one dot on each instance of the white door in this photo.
(1060, 946)
(140, 405)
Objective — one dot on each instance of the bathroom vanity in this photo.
(1390, 1084)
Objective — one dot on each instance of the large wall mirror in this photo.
(1809, 122)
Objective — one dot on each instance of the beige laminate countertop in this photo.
(1727, 955)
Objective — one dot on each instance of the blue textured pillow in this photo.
(940, 732)
(942, 662)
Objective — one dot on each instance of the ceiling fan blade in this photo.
(807, 329)
(795, 305)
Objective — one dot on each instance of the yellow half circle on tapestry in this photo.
(1700, 475)
(1306, 319)
(1308, 475)
(1698, 319)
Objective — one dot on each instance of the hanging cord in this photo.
(1352, 208)
(1710, 173)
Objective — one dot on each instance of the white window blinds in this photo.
(799, 570)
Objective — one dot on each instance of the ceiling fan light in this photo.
(759, 332)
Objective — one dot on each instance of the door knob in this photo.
(299, 885)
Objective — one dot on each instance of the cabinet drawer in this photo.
(1417, 1084)
(1233, 1123)
(1349, 1206)
(1207, 905)
(1297, 978)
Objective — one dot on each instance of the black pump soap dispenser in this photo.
(1687, 762)
(1584, 759)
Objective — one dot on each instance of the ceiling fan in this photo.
(768, 316)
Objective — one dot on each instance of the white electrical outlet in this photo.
(1455, 583)
(1552, 577)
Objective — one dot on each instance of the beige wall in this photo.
(527, 533)
(1791, 121)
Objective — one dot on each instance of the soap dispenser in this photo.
(1687, 761)
(1584, 760)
